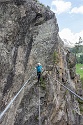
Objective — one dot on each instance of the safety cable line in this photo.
(40, 103)
(39, 108)
(70, 90)
(8, 106)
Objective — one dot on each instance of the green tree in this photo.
(80, 40)
(77, 47)
(81, 59)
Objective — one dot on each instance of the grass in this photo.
(79, 70)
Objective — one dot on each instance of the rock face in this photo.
(28, 35)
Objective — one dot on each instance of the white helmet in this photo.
(39, 64)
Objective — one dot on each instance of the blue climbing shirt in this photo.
(39, 68)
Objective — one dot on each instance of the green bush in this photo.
(82, 81)
(42, 4)
(80, 101)
(80, 105)
(36, 0)
(42, 83)
(79, 71)
(79, 59)
(81, 108)
(55, 57)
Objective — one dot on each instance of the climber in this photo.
(39, 70)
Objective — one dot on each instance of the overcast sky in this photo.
(69, 15)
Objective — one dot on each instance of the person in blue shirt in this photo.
(39, 70)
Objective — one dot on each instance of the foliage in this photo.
(42, 4)
(79, 70)
(78, 51)
(39, 3)
(80, 101)
(78, 46)
(80, 105)
(81, 108)
(36, 0)
(55, 57)
(79, 59)
(42, 83)
(48, 7)
(82, 81)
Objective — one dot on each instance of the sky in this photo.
(69, 14)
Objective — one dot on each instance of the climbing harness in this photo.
(8, 106)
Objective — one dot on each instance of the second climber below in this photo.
(39, 70)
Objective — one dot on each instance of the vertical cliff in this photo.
(28, 35)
